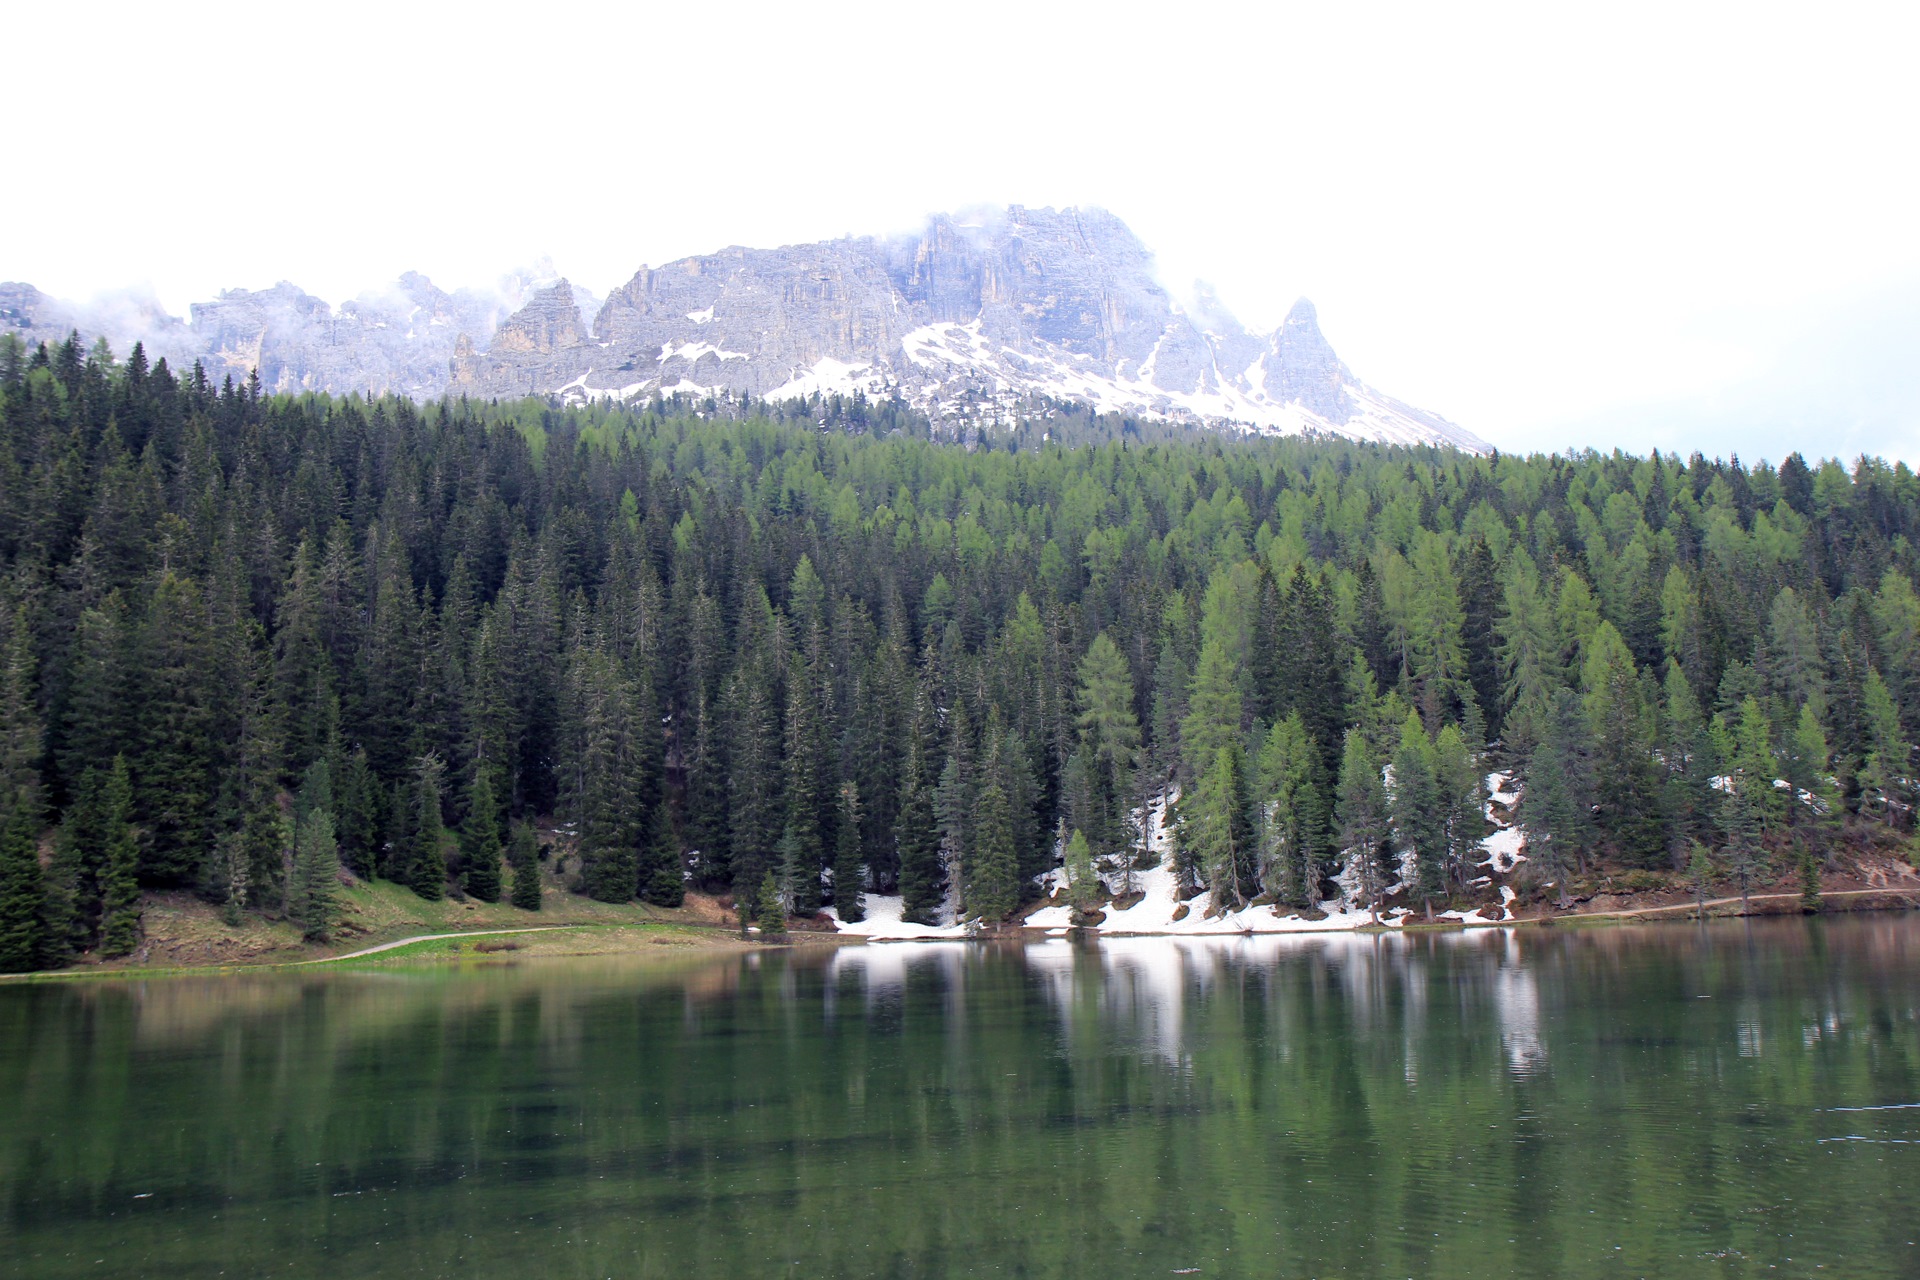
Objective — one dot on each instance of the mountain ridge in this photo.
(972, 319)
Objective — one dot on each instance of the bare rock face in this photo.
(535, 351)
(969, 319)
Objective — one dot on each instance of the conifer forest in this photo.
(800, 653)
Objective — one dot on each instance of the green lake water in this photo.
(1672, 1100)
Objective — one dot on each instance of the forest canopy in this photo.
(249, 641)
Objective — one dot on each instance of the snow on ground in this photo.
(1503, 850)
(1051, 918)
(883, 923)
(1159, 902)
(1501, 791)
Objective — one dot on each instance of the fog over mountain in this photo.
(973, 318)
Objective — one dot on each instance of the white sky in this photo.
(1682, 225)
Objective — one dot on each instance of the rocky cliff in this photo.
(970, 319)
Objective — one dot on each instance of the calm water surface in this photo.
(1658, 1101)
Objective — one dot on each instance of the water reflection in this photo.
(1497, 1102)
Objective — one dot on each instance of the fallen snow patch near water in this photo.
(883, 923)
(1051, 918)
(1503, 850)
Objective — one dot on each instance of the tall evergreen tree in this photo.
(1363, 818)
(1419, 815)
(1292, 814)
(480, 840)
(849, 873)
(23, 940)
(119, 865)
(422, 864)
(524, 854)
(917, 834)
(993, 889)
(1216, 831)
(316, 854)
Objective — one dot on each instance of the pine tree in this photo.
(753, 776)
(917, 834)
(480, 840)
(992, 875)
(22, 732)
(1884, 784)
(1439, 652)
(1084, 888)
(804, 834)
(1557, 806)
(524, 853)
(1216, 834)
(424, 864)
(316, 854)
(1528, 653)
(608, 803)
(1363, 817)
(174, 735)
(358, 817)
(770, 911)
(953, 801)
(23, 941)
(1810, 903)
(662, 879)
(849, 876)
(1686, 791)
(1699, 875)
(1213, 708)
(1623, 724)
(1419, 815)
(1462, 787)
(120, 865)
(1748, 801)
(1292, 814)
(1110, 733)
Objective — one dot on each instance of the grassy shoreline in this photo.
(396, 929)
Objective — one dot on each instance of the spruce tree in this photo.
(608, 805)
(480, 840)
(917, 832)
(1363, 817)
(661, 881)
(1292, 814)
(1215, 831)
(424, 868)
(79, 868)
(120, 865)
(1084, 889)
(849, 875)
(1463, 803)
(1810, 902)
(1110, 733)
(173, 739)
(992, 872)
(769, 911)
(316, 854)
(804, 833)
(525, 856)
(23, 942)
(1419, 813)
(1883, 769)
(1556, 807)
(1699, 875)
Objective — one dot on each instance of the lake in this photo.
(1672, 1100)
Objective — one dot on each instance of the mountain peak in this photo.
(979, 316)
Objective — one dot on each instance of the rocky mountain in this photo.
(970, 319)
